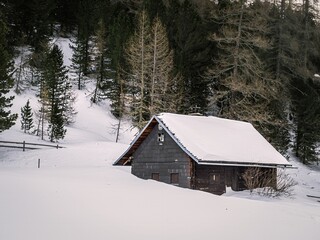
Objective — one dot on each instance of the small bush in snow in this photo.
(267, 183)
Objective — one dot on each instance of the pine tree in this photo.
(119, 32)
(80, 60)
(100, 64)
(243, 88)
(56, 123)
(87, 15)
(193, 52)
(6, 82)
(306, 103)
(280, 61)
(42, 114)
(56, 82)
(32, 19)
(305, 96)
(26, 117)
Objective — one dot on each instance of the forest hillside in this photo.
(255, 61)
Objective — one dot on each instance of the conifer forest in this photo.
(256, 61)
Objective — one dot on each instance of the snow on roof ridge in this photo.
(210, 138)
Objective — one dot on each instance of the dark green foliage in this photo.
(192, 53)
(31, 19)
(283, 67)
(56, 124)
(65, 14)
(26, 117)
(119, 31)
(56, 87)
(100, 63)
(155, 9)
(80, 60)
(306, 103)
(86, 19)
(6, 82)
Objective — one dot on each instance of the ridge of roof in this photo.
(197, 153)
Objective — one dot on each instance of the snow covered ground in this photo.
(77, 194)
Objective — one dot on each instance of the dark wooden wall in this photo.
(215, 179)
(163, 158)
(158, 160)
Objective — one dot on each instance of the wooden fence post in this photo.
(24, 145)
(39, 163)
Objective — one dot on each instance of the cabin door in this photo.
(210, 179)
(216, 182)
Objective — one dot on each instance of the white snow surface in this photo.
(77, 194)
(217, 139)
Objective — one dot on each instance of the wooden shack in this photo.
(199, 152)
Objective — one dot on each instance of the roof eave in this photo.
(245, 164)
(134, 140)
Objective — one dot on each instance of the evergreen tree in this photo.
(32, 19)
(6, 82)
(43, 113)
(304, 91)
(56, 123)
(188, 37)
(100, 63)
(242, 86)
(119, 32)
(80, 60)
(87, 15)
(26, 118)
(306, 103)
(66, 15)
(281, 63)
(56, 82)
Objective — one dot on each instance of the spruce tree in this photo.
(6, 82)
(100, 63)
(188, 37)
(26, 117)
(80, 60)
(241, 84)
(56, 82)
(119, 32)
(87, 15)
(42, 114)
(305, 94)
(306, 104)
(56, 123)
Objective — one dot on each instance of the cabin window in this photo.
(155, 176)
(174, 178)
(160, 138)
(214, 178)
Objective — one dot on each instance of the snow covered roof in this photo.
(217, 141)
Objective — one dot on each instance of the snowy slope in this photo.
(78, 195)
